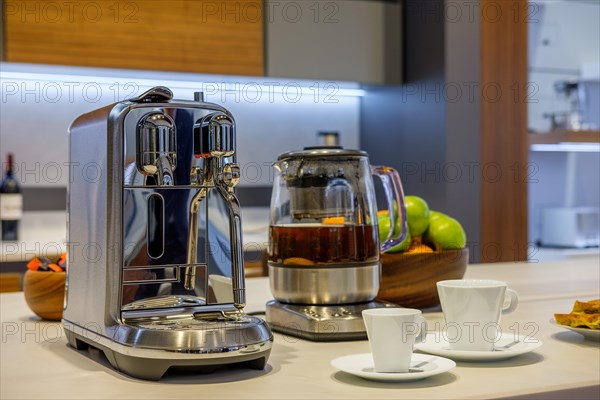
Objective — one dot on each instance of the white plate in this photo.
(436, 343)
(591, 334)
(362, 365)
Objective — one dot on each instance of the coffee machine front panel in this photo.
(176, 224)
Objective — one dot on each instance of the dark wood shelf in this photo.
(556, 137)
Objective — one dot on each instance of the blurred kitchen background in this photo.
(489, 110)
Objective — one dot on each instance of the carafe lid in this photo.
(322, 151)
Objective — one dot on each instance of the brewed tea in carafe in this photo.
(322, 244)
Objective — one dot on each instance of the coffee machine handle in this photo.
(392, 187)
(155, 95)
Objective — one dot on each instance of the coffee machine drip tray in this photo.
(320, 323)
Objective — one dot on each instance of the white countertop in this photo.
(36, 351)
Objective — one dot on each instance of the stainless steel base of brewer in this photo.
(349, 283)
(327, 323)
(180, 345)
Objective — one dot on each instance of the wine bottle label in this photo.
(11, 206)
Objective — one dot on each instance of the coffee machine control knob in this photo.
(199, 97)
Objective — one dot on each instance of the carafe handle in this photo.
(392, 186)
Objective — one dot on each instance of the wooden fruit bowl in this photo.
(44, 293)
(409, 279)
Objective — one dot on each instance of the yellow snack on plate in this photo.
(584, 315)
(588, 307)
(579, 320)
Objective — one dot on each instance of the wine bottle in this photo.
(11, 202)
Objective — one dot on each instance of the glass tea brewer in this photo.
(324, 266)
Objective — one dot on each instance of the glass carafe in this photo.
(323, 238)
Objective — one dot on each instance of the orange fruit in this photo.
(333, 221)
(418, 249)
(297, 261)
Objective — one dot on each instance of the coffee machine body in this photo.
(152, 216)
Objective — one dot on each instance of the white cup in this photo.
(472, 309)
(392, 333)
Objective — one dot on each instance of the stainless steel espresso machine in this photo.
(324, 265)
(152, 215)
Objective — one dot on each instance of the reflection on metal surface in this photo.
(155, 234)
(164, 302)
(150, 275)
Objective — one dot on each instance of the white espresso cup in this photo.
(472, 309)
(392, 333)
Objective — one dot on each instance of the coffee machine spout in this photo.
(164, 171)
(214, 140)
(156, 153)
(189, 281)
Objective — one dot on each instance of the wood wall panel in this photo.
(504, 143)
(221, 37)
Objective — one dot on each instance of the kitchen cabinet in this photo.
(563, 172)
(187, 36)
(564, 165)
(347, 40)
(556, 137)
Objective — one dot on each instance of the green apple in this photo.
(433, 215)
(384, 230)
(417, 215)
(385, 211)
(446, 233)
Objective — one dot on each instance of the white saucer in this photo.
(591, 334)
(362, 365)
(436, 343)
